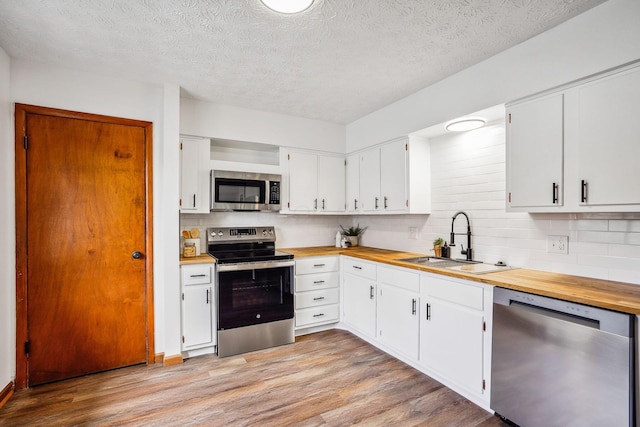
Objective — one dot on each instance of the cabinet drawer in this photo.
(317, 264)
(324, 314)
(455, 292)
(196, 274)
(359, 268)
(316, 298)
(401, 278)
(312, 282)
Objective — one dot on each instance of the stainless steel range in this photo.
(254, 287)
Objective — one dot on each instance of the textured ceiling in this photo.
(337, 61)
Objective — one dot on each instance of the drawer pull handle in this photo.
(198, 275)
(207, 296)
(385, 202)
(357, 267)
(318, 265)
(371, 292)
(318, 298)
(584, 191)
(318, 315)
(318, 282)
(428, 311)
(413, 307)
(555, 193)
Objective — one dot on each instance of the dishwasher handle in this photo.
(607, 320)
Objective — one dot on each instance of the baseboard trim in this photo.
(172, 360)
(158, 358)
(6, 393)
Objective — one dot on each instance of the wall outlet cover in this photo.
(558, 244)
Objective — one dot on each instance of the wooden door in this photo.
(83, 198)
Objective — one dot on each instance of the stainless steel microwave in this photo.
(244, 191)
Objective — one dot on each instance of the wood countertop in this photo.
(624, 297)
(200, 259)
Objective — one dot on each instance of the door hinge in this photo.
(484, 326)
(25, 142)
(509, 117)
(27, 347)
(484, 384)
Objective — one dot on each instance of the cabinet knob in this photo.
(136, 255)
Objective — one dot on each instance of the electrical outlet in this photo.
(413, 233)
(558, 244)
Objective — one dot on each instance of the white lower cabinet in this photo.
(198, 307)
(455, 340)
(317, 291)
(397, 310)
(359, 296)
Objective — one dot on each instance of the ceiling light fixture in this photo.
(287, 6)
(466, 123)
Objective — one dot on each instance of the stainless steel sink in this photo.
(463, 266)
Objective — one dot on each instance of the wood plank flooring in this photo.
(330, 378)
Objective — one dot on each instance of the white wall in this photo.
(601, 38)
(7, 228)
(199, 118)
(468, 173)
(50, 86)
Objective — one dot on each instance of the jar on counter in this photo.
(189, 250)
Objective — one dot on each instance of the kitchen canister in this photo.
(189, 250)
(196, 244)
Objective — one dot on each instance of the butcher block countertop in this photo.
(200, 259)
(624, 297)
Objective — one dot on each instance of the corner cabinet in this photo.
(392, 178)
(316, 182)
(455, 341)
(575, 149)
(199, 323)
(194, 174)
(317, 291)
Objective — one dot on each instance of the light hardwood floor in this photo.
(330, 378)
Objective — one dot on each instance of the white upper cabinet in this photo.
(194, 174)
(535, 138)
(394, 177)
(608, 141)
(353, 184)
(581, 137)
(316, 182)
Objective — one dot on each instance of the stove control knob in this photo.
(220, 233)
(264, 232)
(271, 231)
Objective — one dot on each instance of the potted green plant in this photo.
(353, 233)
(437, 246)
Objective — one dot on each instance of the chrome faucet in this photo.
(468, 252)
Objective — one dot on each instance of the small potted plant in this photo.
(353, 233)
(437, 246)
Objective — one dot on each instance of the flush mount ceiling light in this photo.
(287, 6)
(466, 123)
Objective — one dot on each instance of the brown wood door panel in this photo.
(87, 298)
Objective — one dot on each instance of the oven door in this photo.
(254, 293)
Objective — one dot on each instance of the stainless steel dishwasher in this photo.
(558, 363)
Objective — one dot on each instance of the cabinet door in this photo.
(393, 176)
(608, 140)
(303, 182)
(197, 316)
(370, 180)
(359, 304)
(452, 331)
(353, 183)
(331, 184)
(194, 175)
(535, 136)
(398, 319)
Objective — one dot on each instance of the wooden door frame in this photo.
(21, 112)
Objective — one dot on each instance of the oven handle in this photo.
(242, 266)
